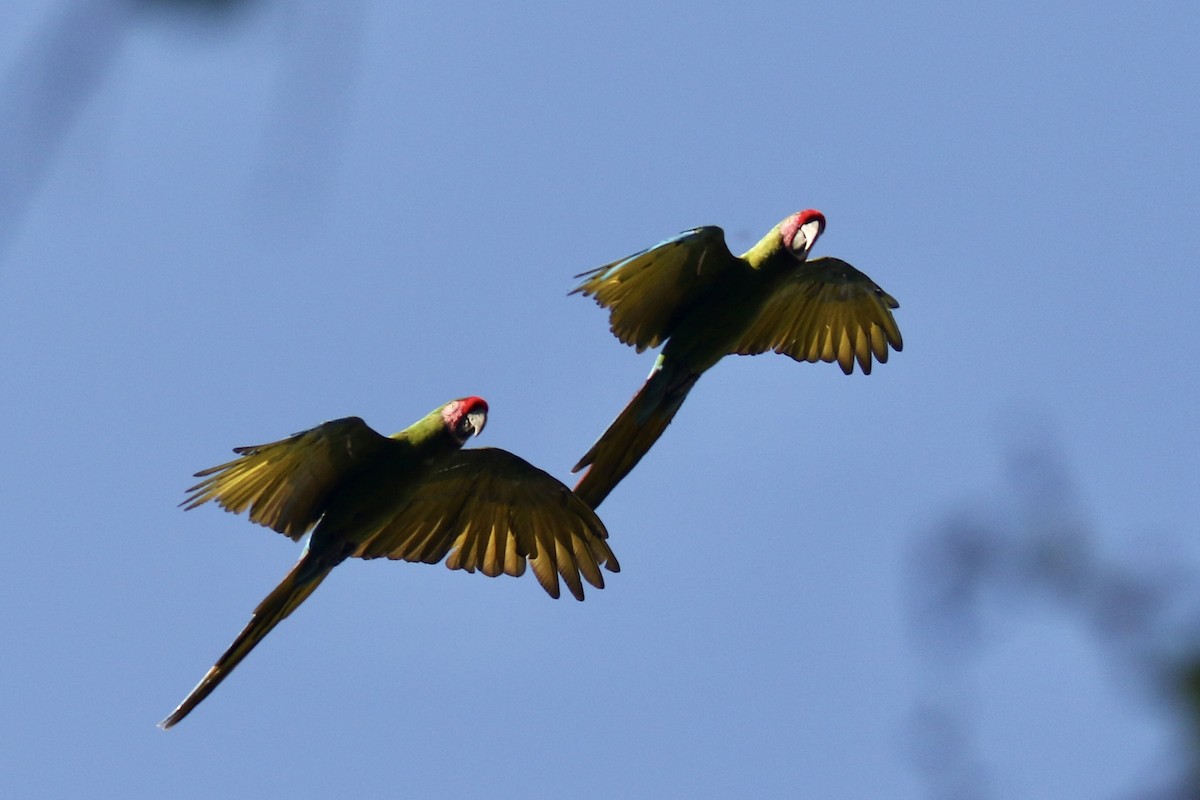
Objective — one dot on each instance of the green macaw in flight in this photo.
(707, 303)
(416, 496)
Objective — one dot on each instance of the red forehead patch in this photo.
(472, 403)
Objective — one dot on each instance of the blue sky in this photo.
(259, 220)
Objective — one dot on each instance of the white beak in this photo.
(477, 419)
(810, 231)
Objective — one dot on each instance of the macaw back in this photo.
(372, 493)
(711, 326)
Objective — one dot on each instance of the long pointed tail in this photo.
(291, 592)
(633, 432)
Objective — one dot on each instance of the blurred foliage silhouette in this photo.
(52, 79)
(988, 570)
(65, 61)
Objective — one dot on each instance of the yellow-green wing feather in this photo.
(488, 510)
(647, 291)
(826, 311)
(285, 485)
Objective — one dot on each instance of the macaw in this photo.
(415, 495)
(707, 303)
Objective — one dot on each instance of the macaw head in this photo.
(465, 417)
(800, 232)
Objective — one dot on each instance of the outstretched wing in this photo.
(286, 484)
(647, 291)
(826, 311)
(488, 510)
